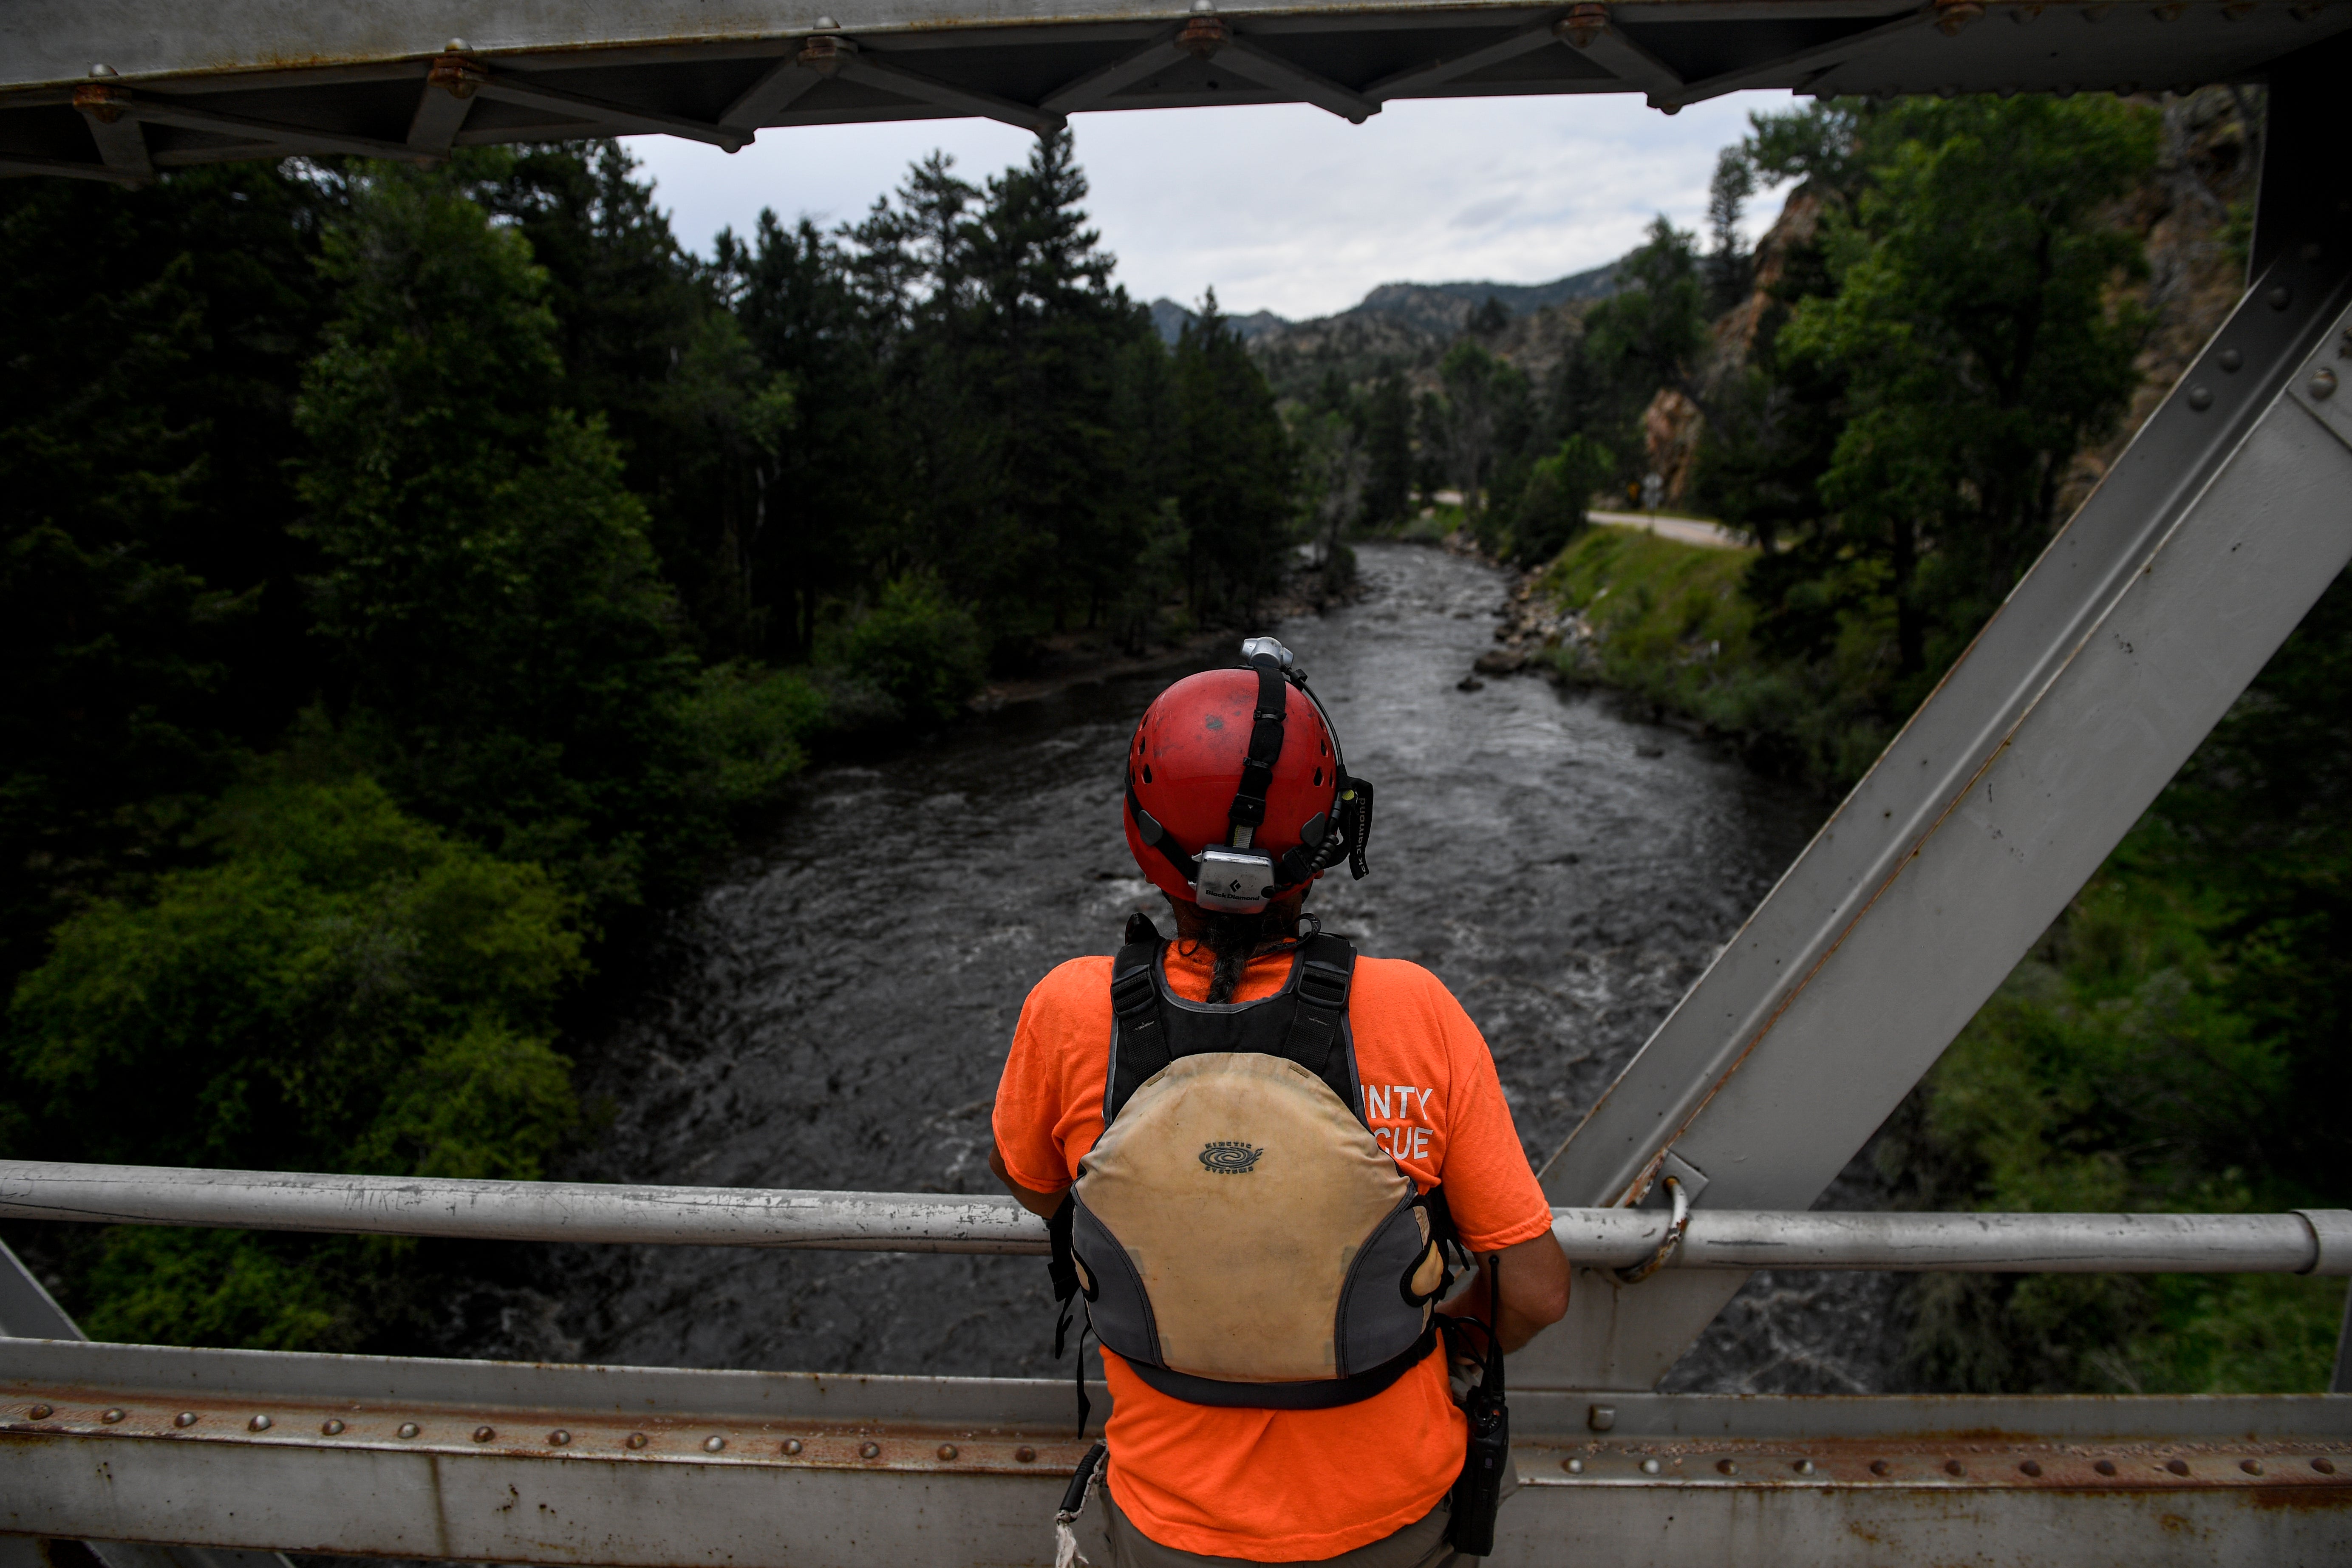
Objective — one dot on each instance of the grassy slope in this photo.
(1666, 622)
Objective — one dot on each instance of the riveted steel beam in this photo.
(312, 77)
(1246, 58)
(676, 1469)
(28, 1311)
(1097, 87)
(777, 89)
(877, 72)
(1609, 46)
(160, 109)
(1426, 78)
(613, 118)
(121, 146)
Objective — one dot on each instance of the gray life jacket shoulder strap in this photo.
(1139, 1042)
(1325, 973)
(1305, 1022)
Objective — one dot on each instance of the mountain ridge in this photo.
(1438, 308)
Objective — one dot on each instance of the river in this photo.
(833, 1011)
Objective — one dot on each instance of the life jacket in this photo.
(1239, 1237)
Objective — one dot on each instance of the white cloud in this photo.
(1283, 208)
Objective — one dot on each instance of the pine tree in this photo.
(1388, 441)
(1235, 489)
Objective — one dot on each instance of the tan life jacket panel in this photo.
(1239, 1237)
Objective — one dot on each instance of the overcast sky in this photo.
(1280, 208)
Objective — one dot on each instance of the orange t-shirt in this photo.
(1287, 1486)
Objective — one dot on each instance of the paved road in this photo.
(1687, 530)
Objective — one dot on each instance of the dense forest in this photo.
(414, 577)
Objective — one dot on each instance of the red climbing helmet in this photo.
(1236, 789)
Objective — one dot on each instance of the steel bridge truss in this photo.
(2147, 615)
(117, 89)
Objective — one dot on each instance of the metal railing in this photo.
(2317, 1241)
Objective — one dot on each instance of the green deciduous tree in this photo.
(1974, 333)
(509, 651)
(345, 989)
(1551, 506)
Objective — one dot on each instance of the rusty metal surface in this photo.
(667, 1489)
(349, 75)
(669, 1468)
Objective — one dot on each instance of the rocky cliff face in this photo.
(2191, 213)
(2187, 214)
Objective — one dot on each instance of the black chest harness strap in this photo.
(1305, 1022)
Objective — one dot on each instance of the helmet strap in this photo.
(1248, 813)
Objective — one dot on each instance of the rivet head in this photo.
(636, 1441)
(2324, 1466)
(1953, 1468)
(2251, 1466)
(484, 1434)
(870, 1451)
(2231, 360)
(184, 1419)
(408, 1428)
(1649, 1467)
(38, 1413)
(2323, 383)
(331, 1428)
(2104, 1467)
(947, 1450)
(2177, 1467)
(792, 1445)
(1803, 1467)
(2279, 297)
(2200, 398)
(259, 1424)
(110, 1417)
(1025, 1454)
(2031, 1467)
(1573, 1466)
(103, 71)
(1881, 1467)
(558, 1438)
(1727, 1466)
(713, 1443)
